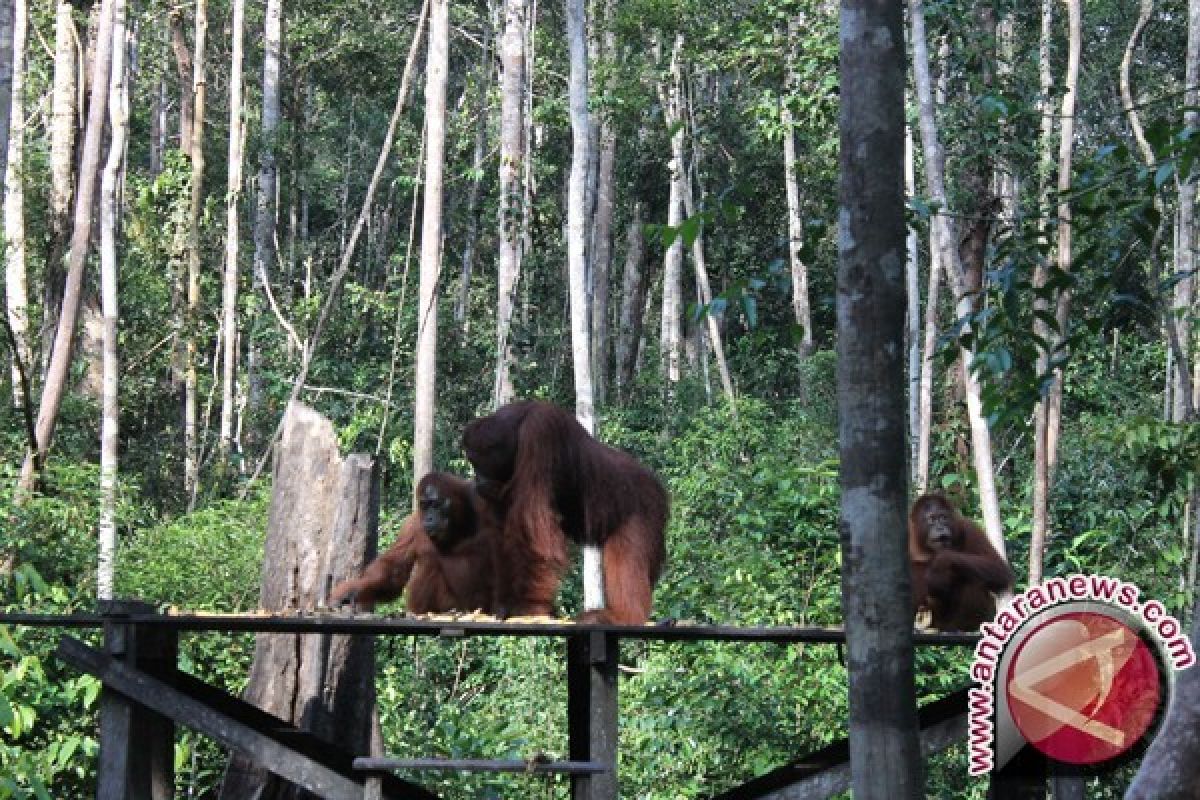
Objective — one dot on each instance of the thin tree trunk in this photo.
(7, 20)
(606, 137)
(800, 301)
(1145, 13)
(929, 351)
(62, 164)
(948, 252)
(184, 69)
(436, 69)
(118, 114)
(16, 281)
(512, 192)
(1041, 329)
(633, 291)
(191, 443)
(885, 755)
(268, 179)
(1186, 263)
(912, 281)
(60, 355)
(158, 127)
(671, 340)
(233, 193)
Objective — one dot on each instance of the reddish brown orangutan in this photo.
(443, 555)
(550, 481)
(955, 569)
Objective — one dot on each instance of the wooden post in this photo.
(137, 745)
(592, 712)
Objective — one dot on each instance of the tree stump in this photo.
(323, 520)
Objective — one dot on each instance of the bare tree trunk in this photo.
(7, 21)
(62, 164)
(929, 351)
(1125, 81)
(947, 246)
(184, 68)
(118, 115)
(436, 68)
(633, 292)
(158, 127)
(885, 757)
(800, 301)
(1186, 264)
(577, 218)
(233, 194)
(671, 340)
(60, 355)
(191, 443)
(512, 192)
(16, 281)
(268, 185)
(912, 281)
(602, 225)
(1041, 329)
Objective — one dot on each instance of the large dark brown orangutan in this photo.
(443, 555)
(955, 569)
(550, 481)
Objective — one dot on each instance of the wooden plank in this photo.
(826, 772)
(1022, 778)
(158, 695)
(447, 625)
(481, 765)
(592, 712)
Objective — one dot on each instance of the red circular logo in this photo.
(1083, 688)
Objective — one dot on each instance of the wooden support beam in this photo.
(592, 712)
(137, 745)
(290, 753)
(1022, 778)
(481, 765)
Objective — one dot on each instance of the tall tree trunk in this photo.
(158, 127)
(512, 193)
(929, 351)
(912, 318)
(233, 193)
(800, 301)
(16, 281)
(577, 219)
(436, 68)
(184, 69)
(191, 442)
(483, 82)
(62, 164)
(581, 344)
(633, 292)
(1186, 264)
(671, 339)
(60, 355)
(885, 755)
(1125, 81)
(7, 21)
(268, 185)
(947, 246)
(606, 138)
(118, 115)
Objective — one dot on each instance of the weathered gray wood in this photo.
(164, 699)
(323, 521)
(592, 713)
(137, 755)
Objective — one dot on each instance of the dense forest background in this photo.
(253, 214)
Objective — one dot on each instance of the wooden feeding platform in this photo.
(145, 695)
